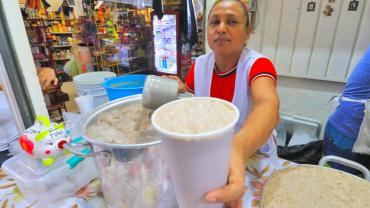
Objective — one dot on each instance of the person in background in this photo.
(244, 77)
(47, 78)
(343, 126)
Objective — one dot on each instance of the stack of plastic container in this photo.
(44, 186)
(91, 84)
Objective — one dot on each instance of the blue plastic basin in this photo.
(125, 85)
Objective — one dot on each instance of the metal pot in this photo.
(132, 175)
(322, 162)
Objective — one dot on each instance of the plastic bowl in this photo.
(125, 85)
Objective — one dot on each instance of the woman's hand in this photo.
(231, 194)
(47, 77)
(182, 86)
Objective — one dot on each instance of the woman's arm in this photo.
(254, 133)
(262, 119)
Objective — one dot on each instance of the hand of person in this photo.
(47, 78)
(182, 86)
(1, 87)
(231, 194)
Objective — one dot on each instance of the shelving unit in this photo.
(107, 47)
(45, 47)
(133, 27)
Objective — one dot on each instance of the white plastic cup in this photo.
(198, 163)
(85, 103)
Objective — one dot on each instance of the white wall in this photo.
(308, 98)
(299, 96)
(312, 44)
(23, 53)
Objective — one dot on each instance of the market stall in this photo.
(138, 139)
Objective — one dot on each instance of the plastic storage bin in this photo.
(49, 186)
(125, 85)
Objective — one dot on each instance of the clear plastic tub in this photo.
(48, 186)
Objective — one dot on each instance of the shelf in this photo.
(61, 46)
(49, 19)
(109, 64)
(53, 19)
(135, 57)
(38, 26)
(41, 60)
(135, 72)
(37, 44)
(62, 59)
(61, 33)
(138, 43)
(33, 19)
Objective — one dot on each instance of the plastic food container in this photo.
(124, 86)
(48, 186)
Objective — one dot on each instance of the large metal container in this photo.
(132, 175)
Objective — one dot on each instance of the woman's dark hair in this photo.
(242, 5)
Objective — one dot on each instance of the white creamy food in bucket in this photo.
(310, 186)
(121, 125)
(195, 116)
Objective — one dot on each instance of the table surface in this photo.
(258, 169)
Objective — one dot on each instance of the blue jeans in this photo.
(329, 148)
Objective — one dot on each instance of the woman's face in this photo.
(226, 29)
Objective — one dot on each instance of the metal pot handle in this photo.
(87, 152)
(346, 162)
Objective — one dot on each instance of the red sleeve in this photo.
(262, 67)
(189, 81)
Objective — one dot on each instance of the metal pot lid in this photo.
(91, 117)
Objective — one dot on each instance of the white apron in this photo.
(362, 144)
(203, 72)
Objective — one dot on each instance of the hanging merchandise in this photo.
(78, 8)
(198, 48)
(158, 8)
(189, 27)
(67, 10)
(54, 4)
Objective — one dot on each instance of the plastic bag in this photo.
(309, 153)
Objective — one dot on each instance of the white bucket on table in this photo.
(91, 84)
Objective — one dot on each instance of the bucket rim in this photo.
(85, 78)
(107, 82)
(86, 119)
(198, 136)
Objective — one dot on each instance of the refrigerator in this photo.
(166, 41)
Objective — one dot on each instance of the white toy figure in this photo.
(44, 140)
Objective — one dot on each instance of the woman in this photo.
(345, 133)
(244, 77)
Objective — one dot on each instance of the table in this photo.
(259, 167)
